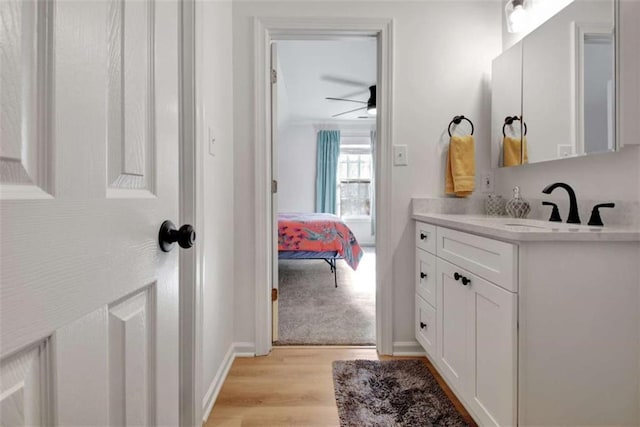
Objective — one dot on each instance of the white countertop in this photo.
(515, 229)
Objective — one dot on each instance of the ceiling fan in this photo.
(370, 104)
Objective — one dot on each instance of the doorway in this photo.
(267, 31)
(324, 121)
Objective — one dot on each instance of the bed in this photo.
(317, 236)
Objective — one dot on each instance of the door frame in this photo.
(191, 212)
(265, 31)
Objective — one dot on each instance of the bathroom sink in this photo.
(526, 226)
(521, 224)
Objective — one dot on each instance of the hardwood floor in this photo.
(293, 386)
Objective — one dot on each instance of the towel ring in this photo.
(456, 120)
(509, 121)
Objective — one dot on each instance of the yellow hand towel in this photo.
(512, 151)
(461, 166)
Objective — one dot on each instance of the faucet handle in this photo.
(555, 213)
(595, 219)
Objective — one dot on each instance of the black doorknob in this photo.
(423, 275)
(169, 235)
(465, 281)
(456, 276)
(423, 325)
(423, 236)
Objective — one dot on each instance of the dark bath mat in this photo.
(391, 393)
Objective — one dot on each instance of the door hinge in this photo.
(274, 76)
(274, 294)
(274, 186)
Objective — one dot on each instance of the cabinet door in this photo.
(452, 324)
(426, 326)
(426, 276)
(491, 352)
(477, 337)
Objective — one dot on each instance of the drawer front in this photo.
(426, 237)
(491, 259)
(426, 276)
(426, 326)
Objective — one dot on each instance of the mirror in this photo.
(567, 68)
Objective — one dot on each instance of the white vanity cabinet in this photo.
(532, 329)
(475, 342)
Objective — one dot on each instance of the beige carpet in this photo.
(313, 312)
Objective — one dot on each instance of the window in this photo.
(354, 181)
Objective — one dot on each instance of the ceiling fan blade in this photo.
(350, 111)
(345, 81)
(344, 99)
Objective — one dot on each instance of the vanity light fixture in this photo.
(371, 102)
(516, 15)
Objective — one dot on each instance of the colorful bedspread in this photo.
(318, 232)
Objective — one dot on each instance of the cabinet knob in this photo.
(423, 325)
(423, 275)
(456, 276)
(423, 236)
(466, 281)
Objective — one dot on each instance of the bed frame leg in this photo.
(334, 269)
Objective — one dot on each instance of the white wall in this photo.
(297, 168)
(443, 53)
(216, 98)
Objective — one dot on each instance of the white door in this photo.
(274, 189)
(88, 172)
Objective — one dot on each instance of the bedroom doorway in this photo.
(266, 31)
(323, 164)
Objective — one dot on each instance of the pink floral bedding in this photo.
(318, 232)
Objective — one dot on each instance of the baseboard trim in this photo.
(407, 348)
(238, 349)
(244, 349)
(215, 386)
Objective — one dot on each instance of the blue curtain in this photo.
(328, 151)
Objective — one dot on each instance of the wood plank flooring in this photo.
(293, 386)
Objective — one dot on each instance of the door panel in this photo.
(82, 277)
(451, 325)
(493, 353)
(130, 112)
(24, 388)
(25, 150)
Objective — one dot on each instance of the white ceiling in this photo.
(311, 70)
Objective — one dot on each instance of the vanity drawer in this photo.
(426, 276)
(491, 259)
(426, 327)
(426, 237)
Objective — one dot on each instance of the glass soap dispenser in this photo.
(518, 207)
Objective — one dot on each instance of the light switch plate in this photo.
(400, 155)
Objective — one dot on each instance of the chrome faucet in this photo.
(574, 217)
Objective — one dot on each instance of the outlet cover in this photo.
(487, 182)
